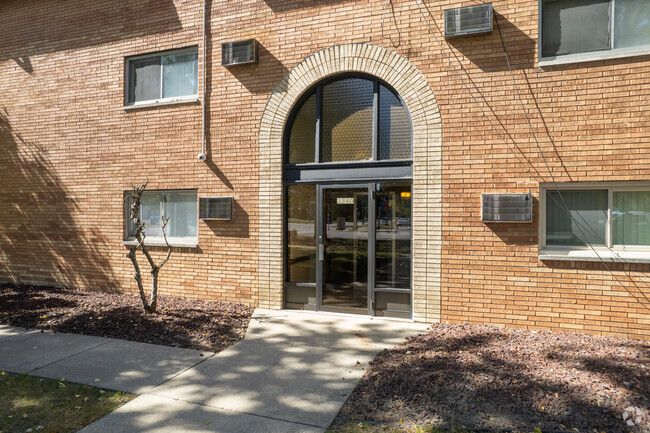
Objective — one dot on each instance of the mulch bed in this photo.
(187, 323)
(487, 377)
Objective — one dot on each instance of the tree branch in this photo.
(138, 277)
(169, 247)
(135, 195)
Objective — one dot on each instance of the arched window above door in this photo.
(349, 119)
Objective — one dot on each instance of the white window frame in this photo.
(608, 252)
(611, 53)
(188, 241)
(159, 101)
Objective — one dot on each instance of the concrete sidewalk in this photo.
(292, 373)
(118, 364)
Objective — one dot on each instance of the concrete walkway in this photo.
(292, 373)
(114, 364)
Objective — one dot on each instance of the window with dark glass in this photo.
(576, 217)
(301, 233)
(393, 236)
(179, 206)
(164, 76)
(583, 26)
(608, 217)
(348, 120)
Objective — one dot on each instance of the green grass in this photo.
(27, 402)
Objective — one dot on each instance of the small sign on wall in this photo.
(344, 200)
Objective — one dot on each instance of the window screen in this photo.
(179, 206)
(632, 23)
(151, 213)
(144, 79)
(159, 76)
(575, 26)
(631, 217)
(576, 218)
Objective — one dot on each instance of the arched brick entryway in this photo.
(409, 82)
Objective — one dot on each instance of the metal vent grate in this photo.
(507, 208)
(239, 53)
(215, 208)
(468, 21)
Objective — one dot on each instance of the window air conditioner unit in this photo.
(215, 208)
(468, 21)
(507, 208)
(239, 53)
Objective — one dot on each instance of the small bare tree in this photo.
(135, 196)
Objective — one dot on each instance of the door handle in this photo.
(321, 252)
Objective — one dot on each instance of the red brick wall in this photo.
(69, 150)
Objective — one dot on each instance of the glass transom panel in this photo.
(394, 127)
(302, 140)
(349, 120)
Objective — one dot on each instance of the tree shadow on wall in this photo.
(487, 52)
(239, 227)
(63, 25)
(40, 240)
(517, 236)
(249, 75)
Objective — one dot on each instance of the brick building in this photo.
(356, 150)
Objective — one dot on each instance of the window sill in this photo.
(591, 256)
(178, 243)
(161, 103)
(594, 56)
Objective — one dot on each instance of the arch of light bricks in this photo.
(410, 83)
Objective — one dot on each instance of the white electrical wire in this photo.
(204, 80)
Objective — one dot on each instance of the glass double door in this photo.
(349, 248)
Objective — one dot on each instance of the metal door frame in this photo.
(320, 247)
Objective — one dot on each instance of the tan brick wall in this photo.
(69, 151)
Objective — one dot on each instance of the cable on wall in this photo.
(489, 118)
(202, 156)
(555, 184)
(563, 203)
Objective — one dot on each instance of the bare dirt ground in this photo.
(186, 323)
(487, 377)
